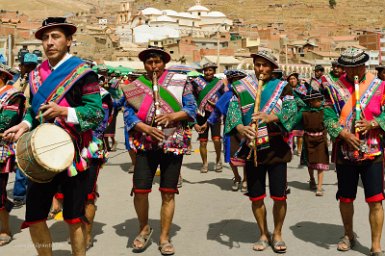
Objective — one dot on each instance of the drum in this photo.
(44, 152)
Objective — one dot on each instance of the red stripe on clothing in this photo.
(142, 191)
(203, 139)
(346, 200)
(169, 190)
(257, 198)
(74, 221)
(279, 198)
(27, 224)
(376, 198)
(216, 138)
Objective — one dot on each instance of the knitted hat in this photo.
(353, 57)
(29, 59)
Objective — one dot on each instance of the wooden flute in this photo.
(254, 125)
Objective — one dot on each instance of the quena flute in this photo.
(254, 125)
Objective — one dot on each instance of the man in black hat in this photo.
(357, 143)
(207, 90)
(381, 72)
(316, 80)
(64, 91)
(158, 105)
(276, 117)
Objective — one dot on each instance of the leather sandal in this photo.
(261, 245)
(5, 239)
(349, 244)
(144, 240)
(166, 248)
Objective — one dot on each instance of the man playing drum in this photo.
(65, 91)
(11, 112)
(160, 138)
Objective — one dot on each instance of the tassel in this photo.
(84, 153)
(71, 171)
(81, 165)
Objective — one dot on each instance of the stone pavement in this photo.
(210, 219)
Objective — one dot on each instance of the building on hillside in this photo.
(374, 40)
(198, 21)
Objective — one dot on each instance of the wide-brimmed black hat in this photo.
(53, 22)
(380, 67)
(267, 56)
(6, 72)
(234, 74)
(292, 74)
(353, 57)
(319, 67)
(143, 54)
(209, 65)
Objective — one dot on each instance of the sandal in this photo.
(345, 244)
(312, 184)
(90, 244)
(279, 246)
(144, 240)
(319, 193)
(244, 187)
(5, 239)
(166, 248)
(219, 166)
(260, 245)
(204, 169)
(236, 184)
(382, 253)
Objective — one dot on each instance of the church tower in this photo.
(125, 12)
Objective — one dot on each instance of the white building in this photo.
(198, 21)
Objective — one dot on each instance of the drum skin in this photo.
(44, 152)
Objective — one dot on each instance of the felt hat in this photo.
(353, 57)
(4, 71)
(209, 65)
(235, 74)
(380, 67)
(53, 22)
(143, 54)
(267, 56)
(292, 74)
(319, 67)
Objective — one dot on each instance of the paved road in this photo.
(210, 219)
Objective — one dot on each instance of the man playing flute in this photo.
(276, 118)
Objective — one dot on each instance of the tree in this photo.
(332, 4)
